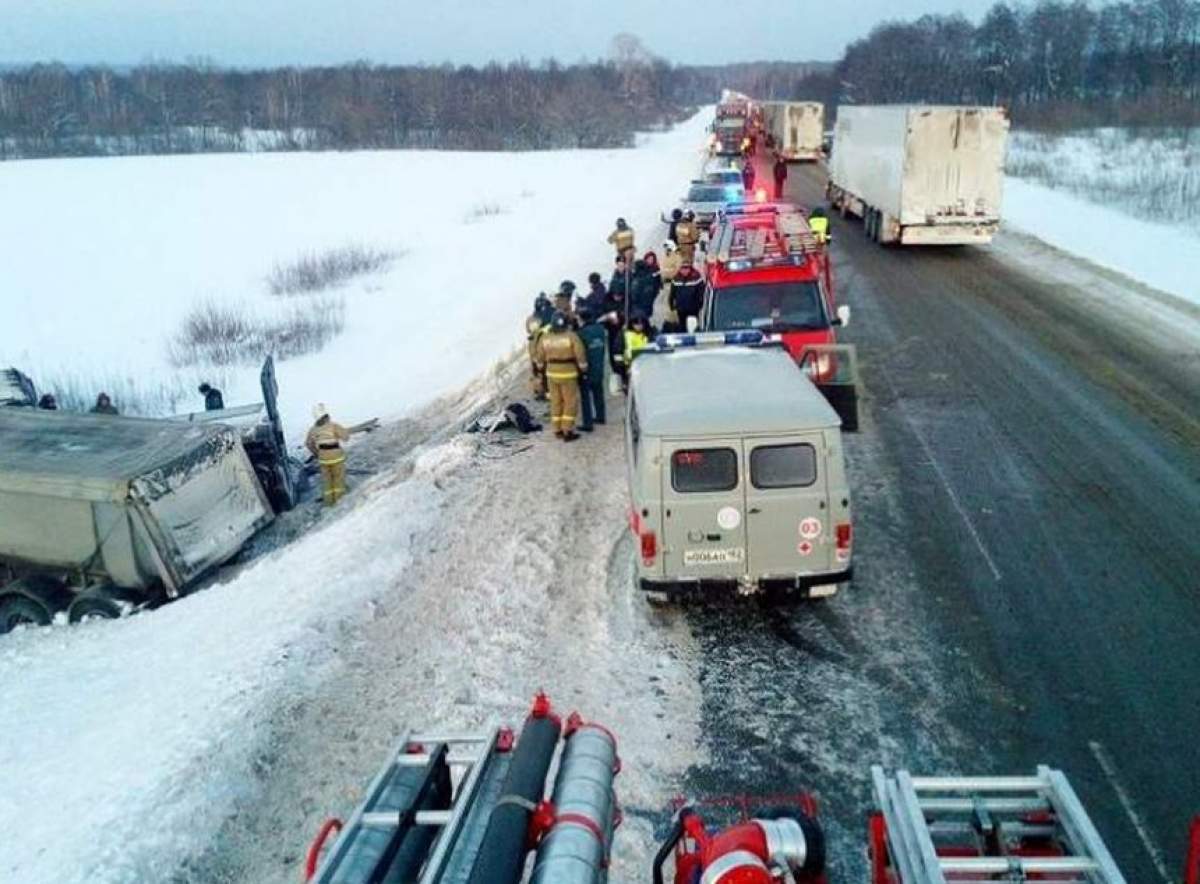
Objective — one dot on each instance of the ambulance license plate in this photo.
(714, 556)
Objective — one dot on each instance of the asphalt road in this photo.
(1027, 493)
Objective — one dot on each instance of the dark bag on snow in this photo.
(520, 416)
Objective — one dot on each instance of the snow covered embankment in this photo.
(104, 259)
(133, 740)
(1093, 193)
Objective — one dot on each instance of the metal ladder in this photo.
(919, 812)
(434, 791)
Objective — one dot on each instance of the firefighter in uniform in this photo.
(560, 354)
(687, 234)
(325, 441)
(622, 240)
(535, 325)
(818, 223)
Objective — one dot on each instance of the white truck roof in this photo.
(726, 391)
(96, 456)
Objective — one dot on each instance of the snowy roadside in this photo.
(1162, 256)
(105, 259)
(136, 740)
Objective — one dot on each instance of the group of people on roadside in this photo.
(213, 401)
(575, 338)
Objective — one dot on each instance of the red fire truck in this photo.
(765, 270)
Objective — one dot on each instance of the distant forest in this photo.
(55, 110)
(1053, 64)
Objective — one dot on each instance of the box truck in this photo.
(920, 175)
(797, 128)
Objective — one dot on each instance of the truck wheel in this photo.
(21, 610)
(103, 602)
(34, 599)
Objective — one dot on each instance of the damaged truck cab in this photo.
(736, 472)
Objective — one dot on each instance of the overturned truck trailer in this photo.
(101, 513)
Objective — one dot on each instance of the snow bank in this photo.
(108, 726)
(1163, 256)
(103, 258)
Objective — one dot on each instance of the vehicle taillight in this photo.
(819, 366)
(649, 547)
(844, 536)
(635, 521)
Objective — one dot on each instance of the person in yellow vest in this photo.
(687, 234)
(560, 355)
(622, 240)
(637, 337)
(818, 223)
(325, 441)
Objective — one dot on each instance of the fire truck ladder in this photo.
(410, 819)
(789, 238)
(990, 817)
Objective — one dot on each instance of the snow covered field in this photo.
(132, 740)
(1128, 202)
(104, 258)
(1163, 256)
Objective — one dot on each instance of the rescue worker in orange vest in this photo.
(687, 234)
(818, 223)
(325, 441)
(561, 356)
(622, 240)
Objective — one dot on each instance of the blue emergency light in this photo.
(709, 339)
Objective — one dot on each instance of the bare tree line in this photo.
(54, 110)
(1056, 63)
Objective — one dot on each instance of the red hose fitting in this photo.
(313, 857)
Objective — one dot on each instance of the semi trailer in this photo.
(100, 514)
(920, 175)
(797, 128)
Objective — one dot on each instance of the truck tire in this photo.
(102, 602)
(21, 610)
(33, 600)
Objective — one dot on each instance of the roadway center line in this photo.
(1110, 771)
(937, 468)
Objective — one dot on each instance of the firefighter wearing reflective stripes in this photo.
(324, 441)
(622, 240)
(687, 234)
(561, 356)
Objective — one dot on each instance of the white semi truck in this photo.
(797, 128)
(920, 175)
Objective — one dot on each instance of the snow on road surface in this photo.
(104, 258)
(134, 740)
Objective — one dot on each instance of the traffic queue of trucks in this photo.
(914, 174)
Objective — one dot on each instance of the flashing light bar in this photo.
(709, 339)
(768, 261)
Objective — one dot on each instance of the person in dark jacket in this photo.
(748, 176)
(596, 295)
(676, 217)
(104, 405)
(687, 293)
(654, 270)
(780, 173)
(213, 400)
(642, 292)
(618, 286)
(591, 388)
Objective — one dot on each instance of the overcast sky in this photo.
(269, 32)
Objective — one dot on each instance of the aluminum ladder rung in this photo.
(913, 817)
(390, 819)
